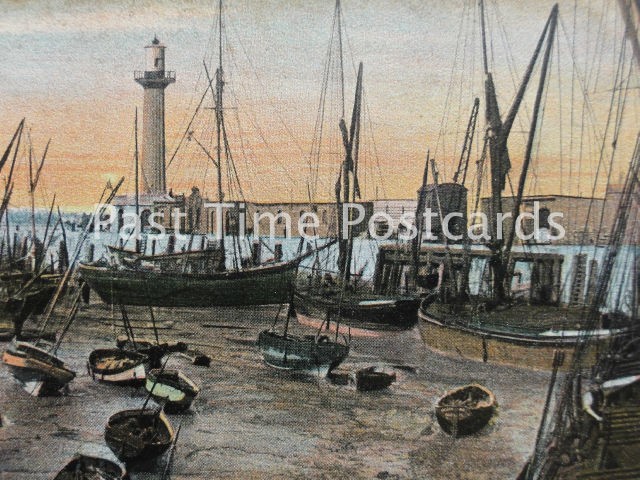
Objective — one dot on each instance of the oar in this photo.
(167, 467)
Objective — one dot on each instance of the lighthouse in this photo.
(154, 80)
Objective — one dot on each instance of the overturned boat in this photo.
(112, 365)
(39, 372)
(465, 410)
(83, 467)
(171, 388)
(138, 435)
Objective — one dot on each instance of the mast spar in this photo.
(500, 164)
(349, 167)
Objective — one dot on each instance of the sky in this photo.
(68, 68)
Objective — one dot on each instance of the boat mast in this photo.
(499, 164)
(351, 145)
(138, 222)
(219, 128)
(338, 15)
(33, 183)
(420, 208)
(497, 136)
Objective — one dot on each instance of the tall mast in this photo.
(353, 163)
(219, 128)
(339, 25)
(219, 87)
(497, 136)
(32, 196)
(631, 30)
(420, 208)
(136, 161)
(350, 140)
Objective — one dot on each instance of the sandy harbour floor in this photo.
(253, 422)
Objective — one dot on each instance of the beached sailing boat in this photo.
(499, 326)
(38, 369)
(27, 282)
(320, 297)
(172, 280)
(314, 354)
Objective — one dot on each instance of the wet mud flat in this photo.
(253, 422)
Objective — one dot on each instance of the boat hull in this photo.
(370, 312)
(15, 309)
(257, 286)
(120, 367)
(303, 354)
(461, 420)
(136, 436)
(86, 467)
(36, 370)
(516, 349)
(172, 389)
(370, 379)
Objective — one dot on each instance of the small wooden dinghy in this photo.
(373, 378)
(139, 435)
(171, 388)
(465, 410)
(141, 344)
(83, 467)
(310, 353)
(117, 366)
(39, 372)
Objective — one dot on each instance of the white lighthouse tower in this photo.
(154, 80)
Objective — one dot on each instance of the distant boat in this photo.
(138, 435)
(39, 372)
(83, 467)
(172, 389)
(465, 410)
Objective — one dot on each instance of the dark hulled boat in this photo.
(363, 310)
(373, 378)
(355, 303)
(465, 410)
(312, 354)
(28, 297)
(138, 435)
(83, 467)
(172, 389)
(261, 285)
(39, 372)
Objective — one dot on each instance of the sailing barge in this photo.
(524, 332)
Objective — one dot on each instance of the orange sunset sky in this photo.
(67, 66)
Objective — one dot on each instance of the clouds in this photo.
(67, 67)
